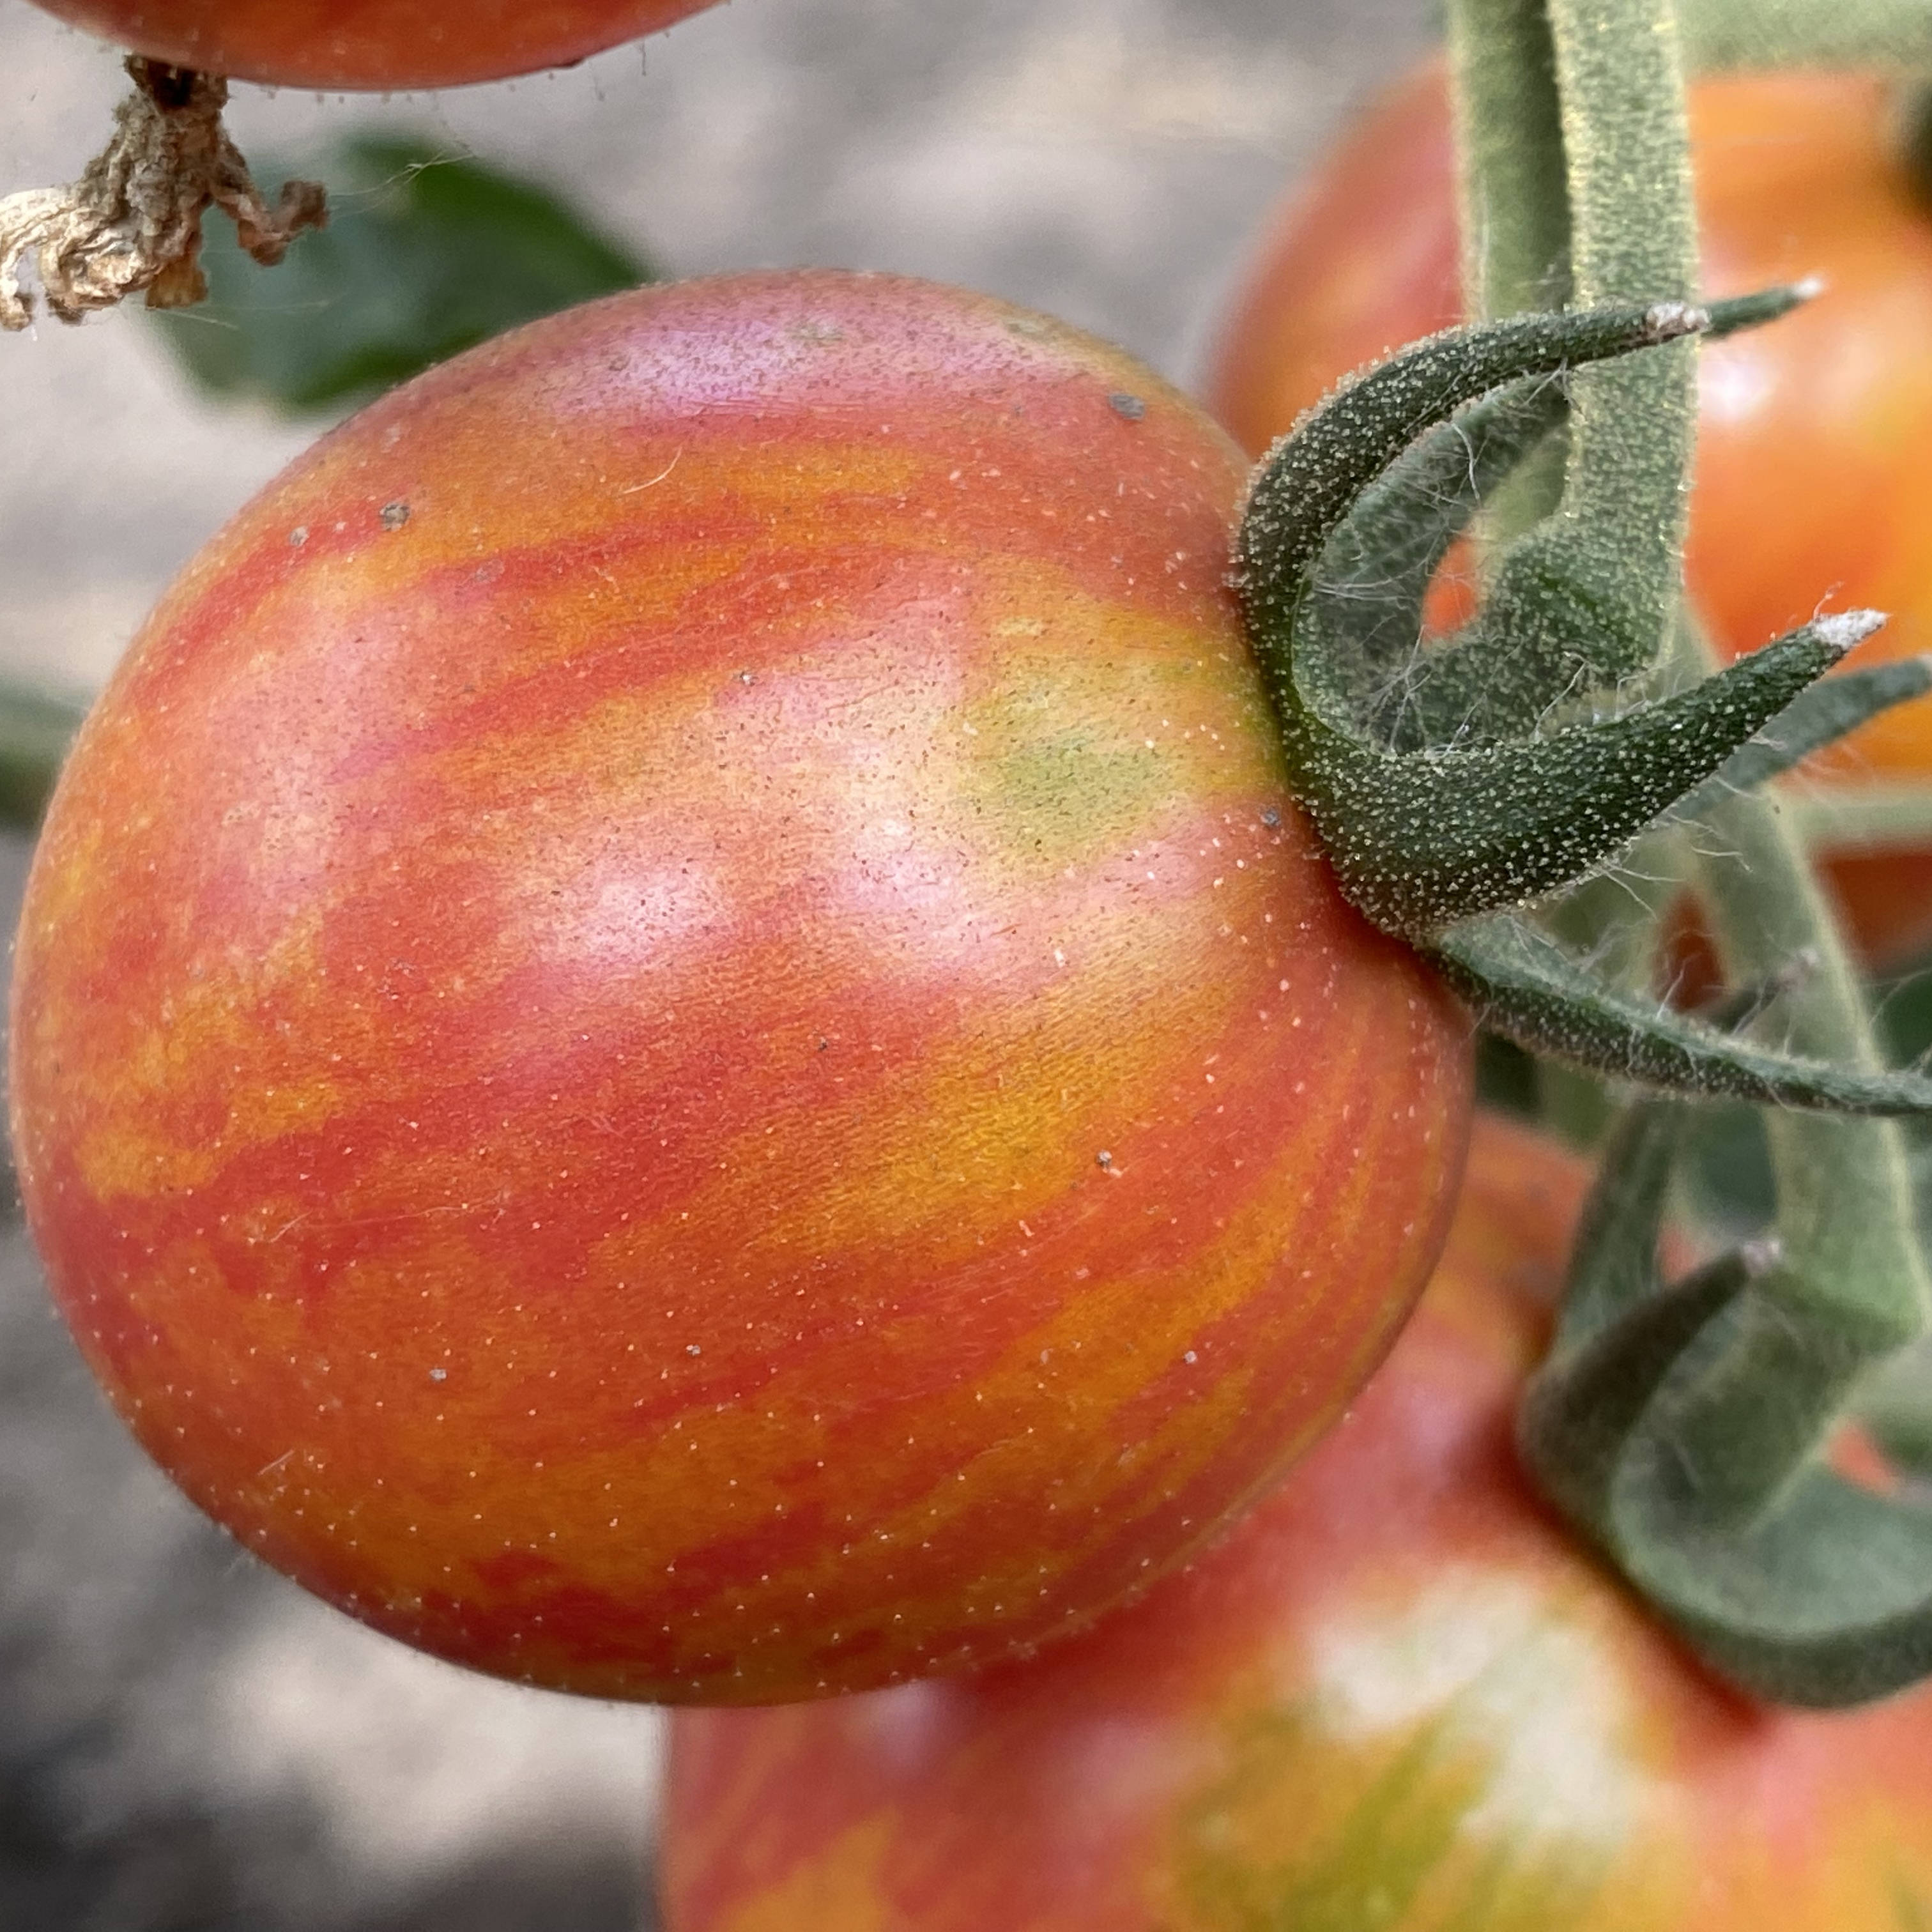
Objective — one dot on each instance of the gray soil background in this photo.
(187, 1742)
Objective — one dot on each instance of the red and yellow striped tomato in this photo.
(1811, 485)
(1396, 1696)
(378, 44)
(673, 1034)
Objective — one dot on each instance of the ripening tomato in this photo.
(1397, 1697)
(673, 1033)
(1811, 483)
(378, 44)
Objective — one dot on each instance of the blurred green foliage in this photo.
(1506, 1077)
(1729, 1189)
(36, 725)
(424, 255)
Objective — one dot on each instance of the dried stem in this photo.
(132, 221)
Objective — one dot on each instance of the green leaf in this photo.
(1521, 984)
(425, 255)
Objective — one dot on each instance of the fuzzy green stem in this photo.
(1509, 141)
(1529, 85)
(1851, 1271)
(1626, 137)
(1873, 817)
(1853, 1266)
(1895, 34)
(1592, 111)
(1513, 206)
(1683, 1435)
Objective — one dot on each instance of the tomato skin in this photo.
(1810, 485)
(672, 1032)
(371, 44)
(1396, 1696)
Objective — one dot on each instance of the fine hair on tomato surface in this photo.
(673, 1034)
(1398, 1695)
(371, 44)
(1811, 487)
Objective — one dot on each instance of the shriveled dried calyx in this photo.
(132, 223)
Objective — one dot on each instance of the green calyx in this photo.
(1454, 782)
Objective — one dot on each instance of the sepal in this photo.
(1455, 779)
(1422, 839)
(1813, 719)
(1311, 479)
(1520, 983)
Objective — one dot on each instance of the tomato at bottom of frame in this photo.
(1397, 1697)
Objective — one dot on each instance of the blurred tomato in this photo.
(1812, 487)
(1396, 1699)
(377, 44)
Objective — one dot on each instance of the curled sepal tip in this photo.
(1522, 984)
(1308, 481)
(1816, 718)
(1422, 839)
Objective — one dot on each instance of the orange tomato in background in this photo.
(673, 1034)
(1812, 487)
(377, 44)
(1397, 1695)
